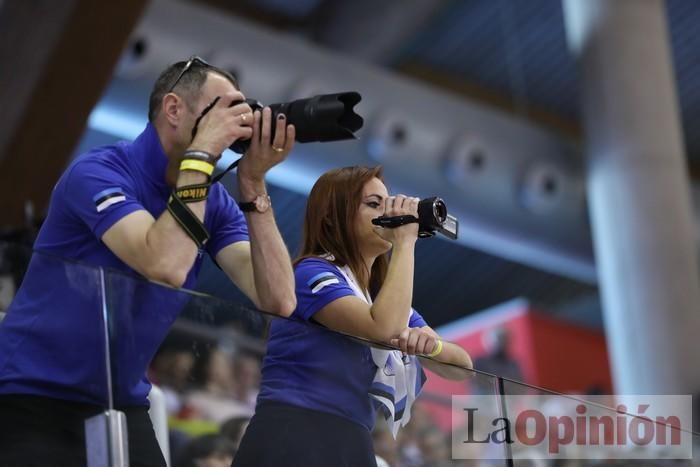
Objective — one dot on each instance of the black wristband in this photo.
(188, 221)
(193, 193)
(200, 155)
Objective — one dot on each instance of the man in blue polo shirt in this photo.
(146, 207)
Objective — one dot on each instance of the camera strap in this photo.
(194, 133)
(189, 222)
(395, 221)
(204, 112)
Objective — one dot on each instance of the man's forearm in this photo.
(272, 267)
(169, 246)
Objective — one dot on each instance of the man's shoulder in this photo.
(112, 155)
(102, 160)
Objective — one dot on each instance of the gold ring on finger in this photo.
(277, 149)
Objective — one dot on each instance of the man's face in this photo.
(215, 85)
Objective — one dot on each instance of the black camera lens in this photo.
(432, 212)
(439, 211)
(433, 217)
(326, 117)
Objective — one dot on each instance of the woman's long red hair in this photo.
(329, 223)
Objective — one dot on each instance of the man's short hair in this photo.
(189, 85)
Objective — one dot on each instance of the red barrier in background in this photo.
(548, 352)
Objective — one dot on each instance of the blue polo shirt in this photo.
(52, 341)
(309, 366)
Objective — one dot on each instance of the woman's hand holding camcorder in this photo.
(400, 205)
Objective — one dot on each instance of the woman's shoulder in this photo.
(315, 262)
(314, 268)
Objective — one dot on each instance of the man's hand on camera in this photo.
(400, 205)
(223, 125)
(263, 154)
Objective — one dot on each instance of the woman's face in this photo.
(374, 195)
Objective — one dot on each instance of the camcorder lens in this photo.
(433, 217)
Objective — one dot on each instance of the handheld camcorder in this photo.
(432, 217)
(325, 117)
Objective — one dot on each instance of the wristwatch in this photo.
(261, 203)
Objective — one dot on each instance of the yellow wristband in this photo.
(437, 350)
(199, 166)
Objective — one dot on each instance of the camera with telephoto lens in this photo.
(325, 117)
(432, 218)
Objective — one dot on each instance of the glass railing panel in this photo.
(586, 429)
(205, 355)
(54, 350)
(53, 335)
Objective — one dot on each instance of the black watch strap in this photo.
(261, 203)
(247, 207)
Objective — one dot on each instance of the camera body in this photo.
(432, 218)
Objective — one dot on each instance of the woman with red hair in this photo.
(320, 389)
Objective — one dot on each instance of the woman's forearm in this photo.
(392, 305)
(452, 354)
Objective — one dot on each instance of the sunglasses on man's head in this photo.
(189, 64)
